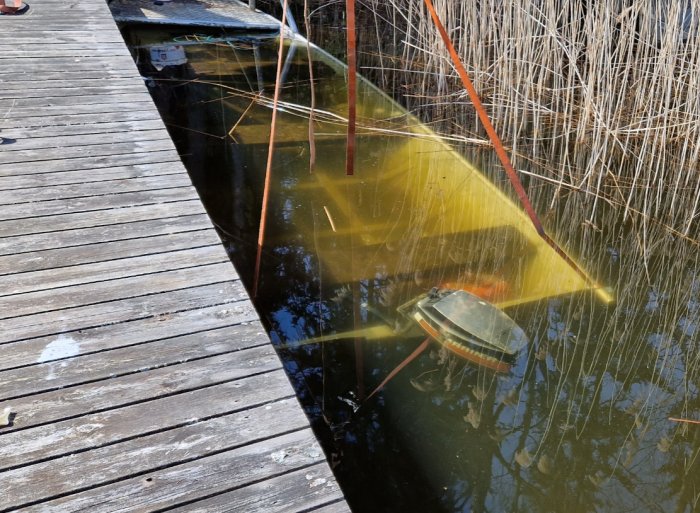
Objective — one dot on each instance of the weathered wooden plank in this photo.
(45, 12)
(99, 218)
(59, 178)
(39, 35)
(302, 490)
(89, 23)
(173, 276)
(88, 38)
(51, 147)
(96, 75)
(90, 68)
(335, 507)
(46, 102)
(101, 272)
(133, 229)
(63, 87)
(47, 186)
(53, 72)
(86, 16)
(197, 479)
(92, 189)
(120, 391)
(71, 7)
(31, 140)
(42, 481)
(85, 120)
(50, 63)
(116, 200)
(48, 37)
(102, 252)
(99, 429)
(71, 371)
(156, 306)
(85, 45)
(43, 160)
(61, 144)
(105, 50)
(83, 49)
(51, 12)
(128, 333)
(110, 158)
(71, 11)
(98, 106)
(33, 137)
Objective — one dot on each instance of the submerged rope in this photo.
(422, 347)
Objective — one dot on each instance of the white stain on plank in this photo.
(62, 347)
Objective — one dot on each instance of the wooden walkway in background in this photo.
(212, 13)
(133, 367)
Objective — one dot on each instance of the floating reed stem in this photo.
(685, 421)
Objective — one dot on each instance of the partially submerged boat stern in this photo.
(468, 326)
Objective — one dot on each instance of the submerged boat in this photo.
(415, 215)
(468, 326)
(414, 203)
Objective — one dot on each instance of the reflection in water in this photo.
(580, 422)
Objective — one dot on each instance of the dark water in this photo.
(580, 423)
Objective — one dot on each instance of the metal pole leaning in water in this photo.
(498, 146)
(483, 116)
(270, 152)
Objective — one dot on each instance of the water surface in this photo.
(581, 421)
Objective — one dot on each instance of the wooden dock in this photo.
(133, 368)
(212, 13)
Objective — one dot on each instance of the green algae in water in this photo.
(580, 424)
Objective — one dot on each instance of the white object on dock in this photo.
(5, 417)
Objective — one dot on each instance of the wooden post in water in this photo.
(270, 154)
(352, 87)
(251, 4)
